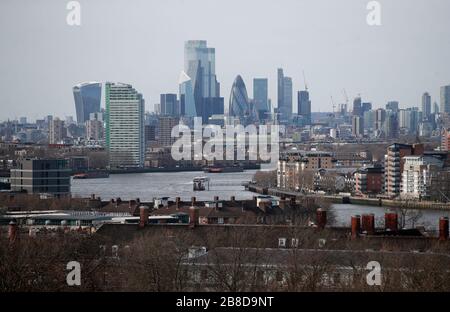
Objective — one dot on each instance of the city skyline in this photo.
(389, 48)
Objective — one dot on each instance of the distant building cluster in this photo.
(408, 171)
(134, 138)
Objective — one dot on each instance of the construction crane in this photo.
(304, 79)
(346, 99)
(334, 105)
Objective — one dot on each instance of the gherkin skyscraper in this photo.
(240, 106)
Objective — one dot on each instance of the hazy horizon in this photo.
(141, 43)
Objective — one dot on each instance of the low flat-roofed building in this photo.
(41, 176)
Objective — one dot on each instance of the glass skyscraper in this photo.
(260, 96)
(87, 98)
(124, 125)
(357, 107)
(426, 106)
(284, 97)
(304, 106)
(170, 105)
(240, 105)
(445, 100)
(186, 94)
(200, 67)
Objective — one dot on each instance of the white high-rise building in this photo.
(124, 125)
(56, 132)
(417, 174)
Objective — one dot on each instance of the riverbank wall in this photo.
(338, 199)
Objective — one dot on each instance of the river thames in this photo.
(147, 186)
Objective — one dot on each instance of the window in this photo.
(220, 220)
(282, 242)
(294, 242)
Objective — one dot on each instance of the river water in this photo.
(146, 186)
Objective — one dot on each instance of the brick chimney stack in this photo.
(321, 218)
(143, 216)
(368, 224)
(194, 214)
(12, 231)
(356, 226)
(443, 228)
(391, 221)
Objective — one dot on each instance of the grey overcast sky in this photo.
(141, 43)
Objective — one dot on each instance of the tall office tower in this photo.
(87, 97)
(426, 106)
(357, 126)
(124, 125)
(169, 105)
(395, 163)
(445, 100)
(380, 117)
(200, 66)
(150, 133)
(365, 107)
(284, 97)
(94, 130)
(47, 120)
(186, 95)
(240, 105)
(166, 124)
(435, 108)
(157, 108)
(357, 107)
(56, 131)
(409, 119)
(288, 92)
(390, 125)
(260, 97)
(392, 105)
(304, 106)
(280, 91)
(370, 120)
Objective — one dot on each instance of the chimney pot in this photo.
(143, 216)
(391, 221)
(443, 228)
(194, 214)
(12, 231)
(356, 226)
(321, 218)
(368, 224)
